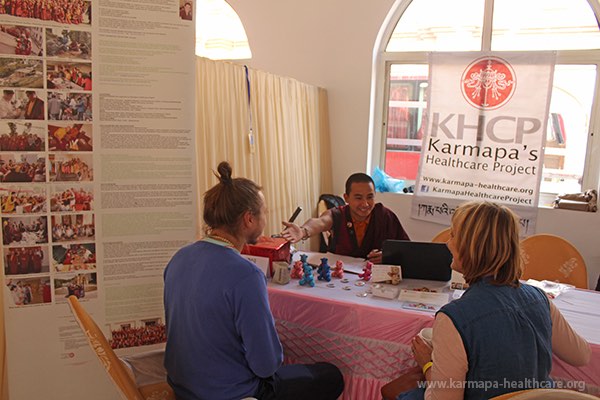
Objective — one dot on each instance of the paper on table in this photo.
(414, 296)
(421, 307)
(383, 273)
(261, 262)
(552, 289)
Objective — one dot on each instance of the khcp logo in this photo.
(488, 83)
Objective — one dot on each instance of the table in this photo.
(368, 338)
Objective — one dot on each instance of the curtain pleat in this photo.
(291, 157)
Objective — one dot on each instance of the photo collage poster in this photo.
(97, 188)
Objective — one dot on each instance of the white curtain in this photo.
(291, 155)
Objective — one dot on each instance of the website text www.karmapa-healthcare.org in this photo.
(523, 384)
(465, 190)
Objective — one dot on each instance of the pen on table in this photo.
(292, 219)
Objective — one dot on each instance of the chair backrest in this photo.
(552, 258)
(327, 201)
(544, 394)
(116, 370)
(442, 236)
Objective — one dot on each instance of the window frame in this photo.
(380, 81)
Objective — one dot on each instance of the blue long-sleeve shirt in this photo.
(221, 336)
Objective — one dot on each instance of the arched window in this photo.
(414, 28)
(220, 34)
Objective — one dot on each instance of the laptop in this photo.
(419, 260)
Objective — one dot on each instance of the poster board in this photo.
(98, 180)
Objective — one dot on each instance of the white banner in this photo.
(485, 136)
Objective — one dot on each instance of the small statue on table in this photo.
(297, 268)
(324, 271)
(367, 271)
(338, 270)
(308, 278)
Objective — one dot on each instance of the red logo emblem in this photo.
(488, 83)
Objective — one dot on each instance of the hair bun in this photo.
(224, 171)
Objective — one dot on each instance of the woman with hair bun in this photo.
(221, 337)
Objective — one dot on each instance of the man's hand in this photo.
(375, 256)
(292, 232)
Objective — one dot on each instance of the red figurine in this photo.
(338, 270)
(367, 270)
(297, 272)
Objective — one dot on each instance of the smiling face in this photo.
(361, 200)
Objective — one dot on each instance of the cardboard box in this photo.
(275, 249)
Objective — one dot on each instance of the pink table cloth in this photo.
(368, 338)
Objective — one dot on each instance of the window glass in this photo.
(557, 25)
(406, 120)
(442, 25)
(220, 34)
(566, 138)
(568, 126)
(530, 25)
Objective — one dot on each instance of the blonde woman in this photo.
(500, 335)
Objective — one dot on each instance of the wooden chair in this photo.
(544, 394)
(552, 258)
(121, 376)
(442, 236)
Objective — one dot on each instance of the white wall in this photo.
(330, 43)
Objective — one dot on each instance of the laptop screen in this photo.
(419, 260)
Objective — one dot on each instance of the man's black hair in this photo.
(358, 177)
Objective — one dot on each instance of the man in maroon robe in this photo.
(24, 262)
(13, 262)
(358, 228)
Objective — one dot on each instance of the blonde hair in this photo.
(486, 236)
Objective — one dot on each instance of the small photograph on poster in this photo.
(69, 106)
(81, 285)
(21, 40)
(71, 168)
(71, 44)
(21, 72)
(186, 10)
(64, 12)
(23, 199)
(72, 198)
(73, 227)
(22, 104)
(74, 257)
(70, 137)
(28, 291)
(26, 260)
(24, 231)
(22, 136)
(23, 167)
(133, 333)
(68, 76)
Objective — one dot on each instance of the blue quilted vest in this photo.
(507, 334)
